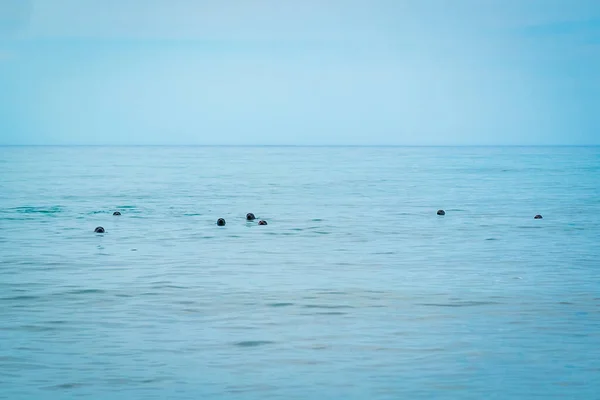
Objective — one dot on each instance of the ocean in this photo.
(355, 289)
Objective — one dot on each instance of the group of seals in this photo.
(442, 212)
(220, 221)
(249, 217)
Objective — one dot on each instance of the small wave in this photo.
(65, 386)
(186, 302)
(331, 313)
(332, 292)
(38, 210)
(19, 298)
(153, 380)
(86, 291)
(167, 286)
(253, 343)
(280, 304)
(325, 306)
(30, 328)
(461, 304)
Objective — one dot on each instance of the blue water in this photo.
(355, 290)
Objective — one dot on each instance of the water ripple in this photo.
(355, 289)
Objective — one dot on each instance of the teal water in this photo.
(355, 290)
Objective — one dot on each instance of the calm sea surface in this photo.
(355, 290)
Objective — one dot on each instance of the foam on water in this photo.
(356, 289)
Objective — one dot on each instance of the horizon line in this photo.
(299, 145)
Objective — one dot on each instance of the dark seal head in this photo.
(220, 222)
(262, 222)
(441, 212)
(250, 217)
(99, 230)
(538, 217)
(116, 213)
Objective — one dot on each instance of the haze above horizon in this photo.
(355, 72)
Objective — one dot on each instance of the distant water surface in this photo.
(355, 290)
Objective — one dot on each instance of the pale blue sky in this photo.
(398, 72)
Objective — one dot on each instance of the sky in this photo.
(304, 72)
